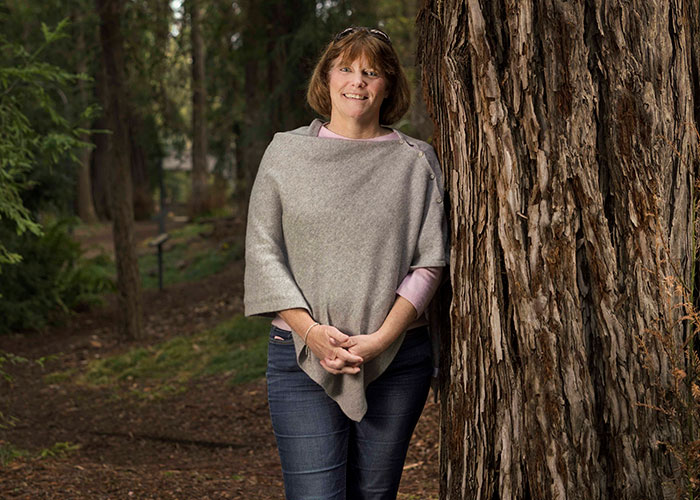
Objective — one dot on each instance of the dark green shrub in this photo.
(51, 280)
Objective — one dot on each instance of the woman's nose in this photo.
(358, 79)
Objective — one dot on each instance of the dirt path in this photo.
(210, 441)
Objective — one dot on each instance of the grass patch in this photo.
(9, 453)
(187, 259)
(190, 231)
(59, 377)
(59, 450)
(236, 347)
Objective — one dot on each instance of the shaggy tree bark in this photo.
(120, 196)
(565, 129)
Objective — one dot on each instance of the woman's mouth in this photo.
(356, 96)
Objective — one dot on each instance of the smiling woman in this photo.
(357, 91)
(344, 248)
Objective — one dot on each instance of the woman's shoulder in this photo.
(423, 147)
(310, 130)
(416, 143)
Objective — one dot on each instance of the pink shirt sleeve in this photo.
(419, 286)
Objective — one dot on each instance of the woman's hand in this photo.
(328, 344)
(366, 347)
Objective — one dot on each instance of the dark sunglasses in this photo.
(376, 33)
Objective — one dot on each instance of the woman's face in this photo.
(357, 91)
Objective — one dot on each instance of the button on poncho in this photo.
(333, 227)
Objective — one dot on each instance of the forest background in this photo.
(567, 133)
(121, 120)
(203, 94)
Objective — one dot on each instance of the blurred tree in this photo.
(280, 42)
(84, 201)
(199, 195)
(128, 280)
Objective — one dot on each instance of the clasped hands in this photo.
(340, 353)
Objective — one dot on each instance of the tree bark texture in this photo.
(199, 198)
(565, 130)
(128, 279)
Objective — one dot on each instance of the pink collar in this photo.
(327, 134)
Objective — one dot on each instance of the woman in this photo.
(345, 244)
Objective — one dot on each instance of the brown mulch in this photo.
(210, 441)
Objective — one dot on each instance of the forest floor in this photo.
(206, 439)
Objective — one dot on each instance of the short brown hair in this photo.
(379, 53)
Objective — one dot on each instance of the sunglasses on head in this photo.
(376, 33)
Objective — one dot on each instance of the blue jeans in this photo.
(324, 454)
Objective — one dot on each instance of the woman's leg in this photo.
(311, 430)
(378, 444)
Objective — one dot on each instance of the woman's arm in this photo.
(414, 293)
(401, 315)
(325, 342)
(419, 286)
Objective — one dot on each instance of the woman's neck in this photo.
(357, 130)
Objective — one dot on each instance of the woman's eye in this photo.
(345, 69)
(371, 73)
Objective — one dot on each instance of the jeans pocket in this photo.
(281, 337)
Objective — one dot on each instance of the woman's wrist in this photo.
(308, 331)
(384, 337)
(297, 319)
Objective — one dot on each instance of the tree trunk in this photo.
(128, 280)
(85, 204)
(199, 198)
(101, 161)
(566, 133)
(141, 189)
(272, 38)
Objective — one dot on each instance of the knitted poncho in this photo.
(333, 227)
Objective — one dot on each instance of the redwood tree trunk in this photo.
(128, 280)
(565, 129)
(199, 202)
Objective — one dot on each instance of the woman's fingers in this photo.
(347, 357)
(342, 361)
(331, 366)
(338, 338)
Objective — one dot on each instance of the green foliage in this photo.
(34, 130)
(59, 450)
(236, 347)
(5, 359)
(9, 453)
(51, 280)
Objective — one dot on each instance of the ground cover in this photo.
(180, 415)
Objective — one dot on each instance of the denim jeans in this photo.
(324, 454)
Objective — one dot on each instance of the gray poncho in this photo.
(334, 226)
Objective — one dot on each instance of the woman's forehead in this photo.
(362, 55)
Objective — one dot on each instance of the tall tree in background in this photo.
(128, 280)
(280, 43)
(84, 202)
(200, 192)
(566, 134)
